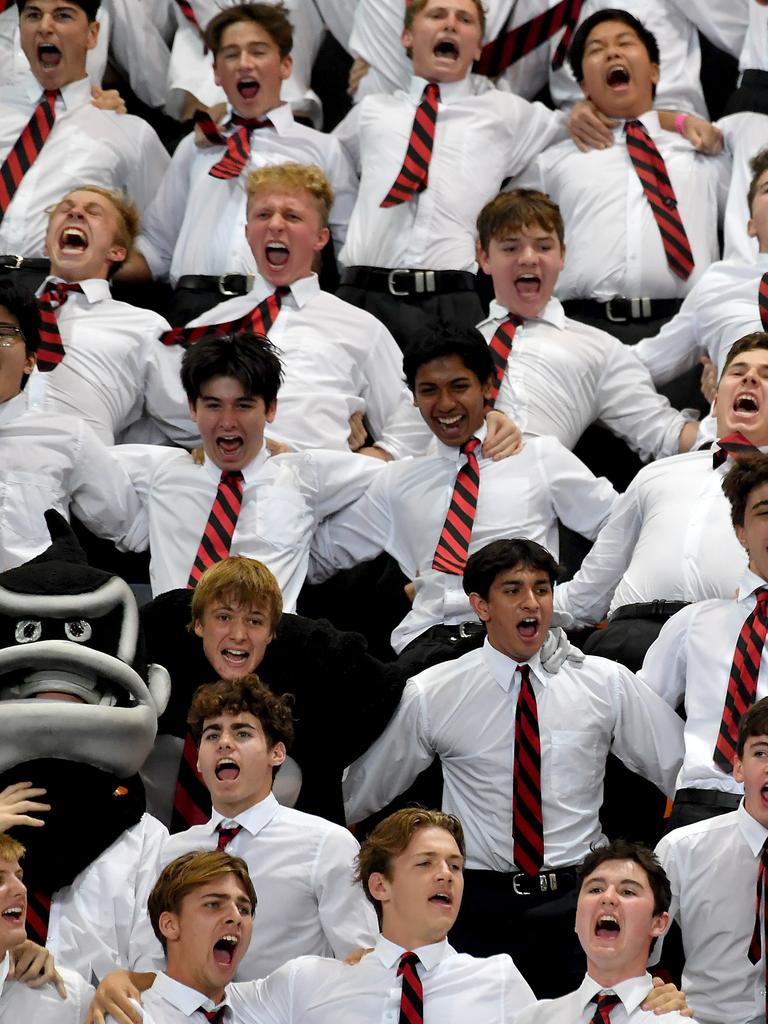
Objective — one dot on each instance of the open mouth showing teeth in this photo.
(447, 49)
(13, 914)
(235, 656)
(229, 443)
(607, 926)
(49, 55)
(745, 403)
(248, 88)
(224, 950)
(73, 240)
(528, 283)
(449, 421)
(277, 254)
(617, 75)
(441, 897)
(227, 769)
(527, 628)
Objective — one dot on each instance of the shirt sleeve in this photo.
(678, 346)
(343, 177)
(666, 852)
(102, 494)
(164, 398)
(580, 499)
(665, 665)
(140, 50)
(162, 221)
(148, 162)
(346, 915)
(347, 131)
(140, 462)
(340, 479)
(392, 762)
(531, 128)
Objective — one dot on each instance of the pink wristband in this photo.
(680, 123)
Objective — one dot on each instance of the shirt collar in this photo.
(76, 94)
(553, 313)
(253, 820)
(11, 409)
(749, 583)
(503, 668)
(250, 472)
(754, 833)
(95, 289)
(762, 259)
(649, 121)
(301, 291)
(5, 966)
(280, 116)
(181, 996)
(449, 91)
(446, 451)
(631, 991)
(430, 956)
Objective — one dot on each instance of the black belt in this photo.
(708, 798)
(404, 282)
(619, 310)
(651, 610)
(755, 79)
(24, 263)
(554, 882)
(223, 284)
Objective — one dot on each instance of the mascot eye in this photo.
(28, 630)
(78, 630)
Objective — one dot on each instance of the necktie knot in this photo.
(214, 1016)
(231, 476)
(734, 444)
(226, 835)
(470, 446)
(407, 960)
(57, 292)
(432, 92)
(606, 1001)
(251, 123)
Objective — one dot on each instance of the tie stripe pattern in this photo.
(186, 9)
(742, 682)
(652, 172)
(500, 347)
(512, 44)
(50, 351)
(759, 941)
(453, 547)
(191, 799)
(219, 530)
(238, 147)
(734, 445)
(258, 321)
(412, 997)
(6, 5)
(762, 301)
(27, 148)
(38, 914)
(605, 1003)
(414, 174)
(527, 817)
(226, 835)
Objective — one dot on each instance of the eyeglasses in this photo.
(10, 335)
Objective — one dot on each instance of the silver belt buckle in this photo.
(518, 892)
(19, 261)
(609, 313)
(391, 282)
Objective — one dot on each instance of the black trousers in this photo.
(686, 812)
(537, 931)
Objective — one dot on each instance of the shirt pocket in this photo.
(575, 767)
(23, 502)
(282, 518)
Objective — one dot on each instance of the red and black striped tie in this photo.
(762, 301)
(412, 996)
(512, 44)
(238, 142)
(500, 346)
(50, 351)
(605, 1003)
(6, 5)
(732, 444)
(214, 1016)
(259, 321)
(652, 172)
(27, 148)
(742, 682)
(527, 817)
(38, 914)
(186, 9)
(219, 530)
(226, 835)
(453, 547)
(759, 941)
(191, 799)
(414, 174)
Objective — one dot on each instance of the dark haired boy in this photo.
(78, 143)
(271, 505)
(715, 868)
(301, 864)
(525, 833)
(450, 371)
(194, 231)
(710, 657)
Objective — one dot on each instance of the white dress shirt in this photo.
(405, 509)
(746, 133)
(302, 868)
(457, 988)
(464, 712)
(114, 368)
(691, 660)
(754, 53)
(196, 223)
(578, 1007)
(19, 1002)
(51, 461)
(92, 920)
(99, 147)
(191, 66)
(168, 1001)
(284, 498)
(719, 309)
(712, 867)
(600, 196)
(337, 360)
(669, 538)
(563, 375)
(479, 141)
